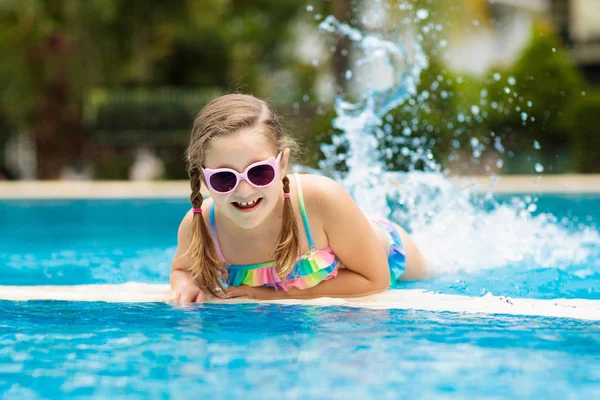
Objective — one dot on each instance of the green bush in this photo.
(126, 119)
(527, 101)
(582, 122)
(143, 116)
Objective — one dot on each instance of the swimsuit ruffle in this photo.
(311, 269)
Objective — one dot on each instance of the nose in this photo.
(244, 189)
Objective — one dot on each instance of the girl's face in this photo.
(237, 152)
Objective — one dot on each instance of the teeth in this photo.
(249, 203)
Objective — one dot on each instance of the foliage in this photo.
(581, 120)
(53, 52)
(55, 55)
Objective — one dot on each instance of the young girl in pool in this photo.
(264, 234)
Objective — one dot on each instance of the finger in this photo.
(187, 298)
(200, 298)
(173, 297)
(236, 292)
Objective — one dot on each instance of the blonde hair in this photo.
(227, 115)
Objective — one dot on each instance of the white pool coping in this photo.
(181, 189)
(402, 299)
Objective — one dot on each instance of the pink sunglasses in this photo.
(259, 174)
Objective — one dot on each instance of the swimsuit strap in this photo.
(213, 229)
(303, 212)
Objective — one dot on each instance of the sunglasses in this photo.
(259, 174)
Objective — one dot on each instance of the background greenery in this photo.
(90, 81)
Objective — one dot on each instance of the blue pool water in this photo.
(115, 241)
(69, 350)
(52, 349)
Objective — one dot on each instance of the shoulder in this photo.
(320, 193)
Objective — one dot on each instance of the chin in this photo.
(250, 220)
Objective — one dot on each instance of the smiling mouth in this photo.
(247, 206)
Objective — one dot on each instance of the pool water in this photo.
(67, 350)
(53, 349)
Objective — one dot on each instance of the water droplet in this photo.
(460, 117)
(406, 131)
(498, 145)
(318, 16)
(500, 163)
(405, 151)
(536, 145)
(506, 90)
(583, 93)
(305, 97)
(523, 116)
(348, 75)
(539, 167)
(554, 49)
(475, 109)
(443, 43)
(512, 80)
(422, 14)
(497, 76)
(483, 93)
(315, 63)
(309, 8)
(529, 103)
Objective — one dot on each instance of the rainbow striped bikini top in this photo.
(311, 268)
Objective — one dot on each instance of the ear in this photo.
(284, 162)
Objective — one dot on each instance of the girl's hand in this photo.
(256, 293)
(185, 293)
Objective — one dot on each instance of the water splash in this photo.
(457, 229)
(361, 122)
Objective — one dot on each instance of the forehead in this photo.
(239, 150)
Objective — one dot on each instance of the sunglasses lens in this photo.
(223, 181)
(261, 175)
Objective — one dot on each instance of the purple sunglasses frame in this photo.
(272, 162)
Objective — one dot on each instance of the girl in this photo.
(266, 235)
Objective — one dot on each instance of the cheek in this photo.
(220, 199)
(275, 190)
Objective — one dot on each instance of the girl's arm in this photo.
(351, 238)
(183, 288)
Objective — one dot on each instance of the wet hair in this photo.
(227, 115)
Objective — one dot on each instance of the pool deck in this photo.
(530, 184)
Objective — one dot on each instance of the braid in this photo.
(286, 185)
(288, 246)
(195, 182)
(207, 269)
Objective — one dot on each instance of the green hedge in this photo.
(582, 121)
(143, 116)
